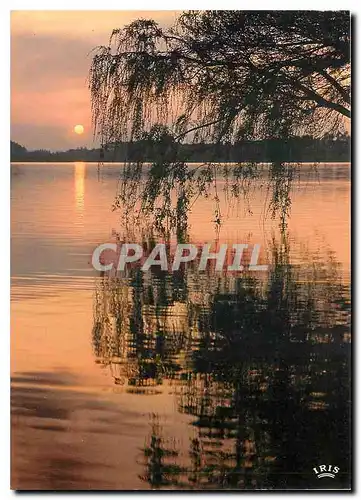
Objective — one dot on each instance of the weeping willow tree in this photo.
(217, 77)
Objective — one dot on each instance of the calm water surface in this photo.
(186, 380)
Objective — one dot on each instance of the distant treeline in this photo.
(297, 149)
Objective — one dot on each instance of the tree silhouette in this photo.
(217, 78)
(232, 72)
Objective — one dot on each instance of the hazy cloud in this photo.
(50, 59)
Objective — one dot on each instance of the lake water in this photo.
(183, 380)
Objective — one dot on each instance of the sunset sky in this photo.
(50, 59)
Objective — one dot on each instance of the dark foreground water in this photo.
(183, 380)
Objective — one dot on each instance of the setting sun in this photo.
(180, 266)
(79, 129)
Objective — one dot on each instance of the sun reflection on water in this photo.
(79, 178)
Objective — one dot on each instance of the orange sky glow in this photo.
(50, 60)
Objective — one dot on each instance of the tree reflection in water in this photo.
(261, 364)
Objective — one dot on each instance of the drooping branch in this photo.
(218, 77)
(211, 61)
